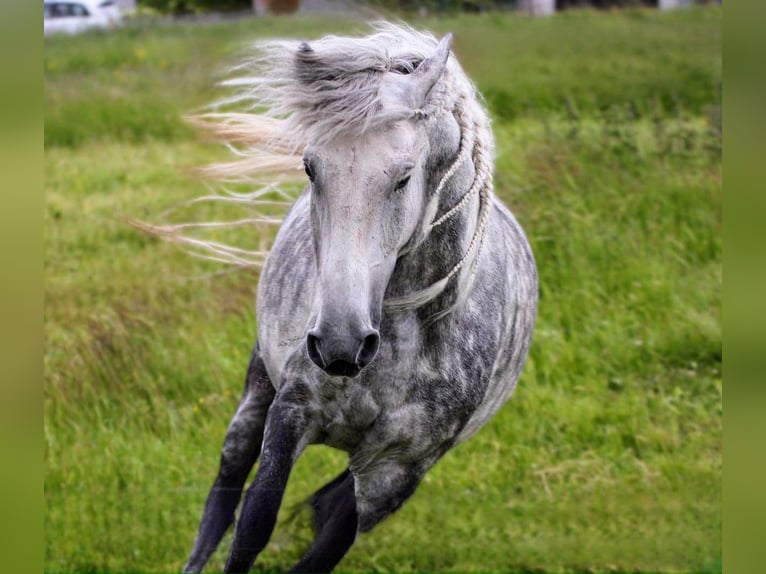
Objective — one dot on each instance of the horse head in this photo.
(368, 193)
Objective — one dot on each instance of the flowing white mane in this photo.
(290, 93)
(329, 86)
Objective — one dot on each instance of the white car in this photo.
(75, 16)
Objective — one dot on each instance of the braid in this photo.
(470, 147)
(467, 141)
(484, 187)
(477, 184)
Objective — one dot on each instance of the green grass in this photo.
(608, 457)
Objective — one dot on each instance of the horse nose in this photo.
(343, 355)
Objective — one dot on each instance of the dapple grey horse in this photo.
(396, 307)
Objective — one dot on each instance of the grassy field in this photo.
(607, 458)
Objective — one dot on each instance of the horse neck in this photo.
(457, 207)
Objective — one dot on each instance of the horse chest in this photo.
(385, 406)
(343, 411)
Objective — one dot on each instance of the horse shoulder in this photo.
(512, 283)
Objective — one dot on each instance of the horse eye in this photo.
(309, 172)
(402, 184)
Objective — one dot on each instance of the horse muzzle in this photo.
(342, 355)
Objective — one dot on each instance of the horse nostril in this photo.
(342, 369)
(368, 350)
(342, 356)
(312, 346)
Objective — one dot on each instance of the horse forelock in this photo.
(330, 86)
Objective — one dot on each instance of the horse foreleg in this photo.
(335, 521)
(240, 451)
(285, 437)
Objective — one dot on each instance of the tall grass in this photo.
(608, 457)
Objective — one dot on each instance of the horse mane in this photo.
(289, 93)
(331, 85)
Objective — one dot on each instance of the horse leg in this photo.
(324, 501)
(285, 437)
(240, 451)
(335, 522)
(356, 503)
(383, 488)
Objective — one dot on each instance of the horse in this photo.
(397, 304)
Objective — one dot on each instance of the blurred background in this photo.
(608, 123)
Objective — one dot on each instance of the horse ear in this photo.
(429, 71)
